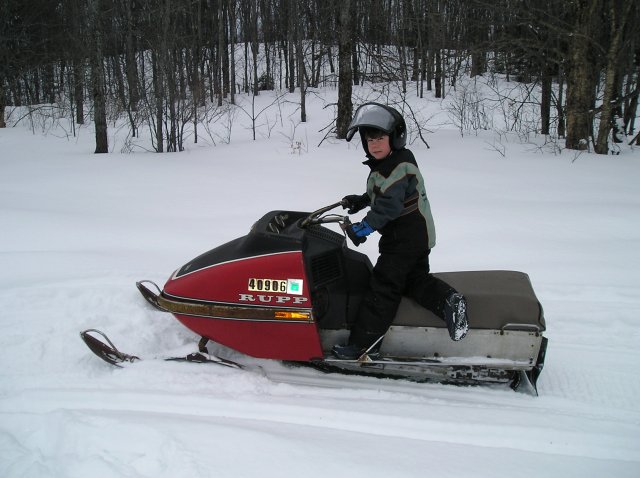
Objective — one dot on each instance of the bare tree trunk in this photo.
(478, 63)
(246, 67)
(329, 52)
(436, 45)
(158, 92)
(429, 69)
(254, 45)
(355, 65)
(617, 26)
(400, 45)
(559, 105)
(291, 42)
(582, 77)
(232, 41)
(221, 53)
(630, 112)
(193, 71)
(345, 79)
(631, 109)
(5, 80)
(3, 104)
(545, 101)
(226, 88)
(48, 86)
(97, 79)
(438, 83)
(172, 91)
(78, 89)
(130, 56)
(301, 69)
(476, 19)
(420, 52)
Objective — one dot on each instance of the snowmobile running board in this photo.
(429, 370)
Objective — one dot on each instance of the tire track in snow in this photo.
(430, 420)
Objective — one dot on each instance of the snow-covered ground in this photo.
(77, 230)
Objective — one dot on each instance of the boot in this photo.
(354, 352)
(455, 312)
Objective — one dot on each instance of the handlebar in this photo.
(316, 217)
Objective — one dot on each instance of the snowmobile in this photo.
(290, 289)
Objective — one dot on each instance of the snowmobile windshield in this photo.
(371, 115)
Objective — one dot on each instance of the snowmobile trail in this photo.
(338, 416)
(587, 378)
(79, 229)
(183, 438)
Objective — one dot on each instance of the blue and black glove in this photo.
(355, 202)
(358, 232)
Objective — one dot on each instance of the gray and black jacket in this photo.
(400, 210)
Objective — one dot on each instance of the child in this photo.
(400, 212)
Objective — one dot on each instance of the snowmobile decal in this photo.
(214, 310)
(268, 299)
(288, 286)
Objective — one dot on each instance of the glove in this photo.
(362, 229)
(355, 202)
(358, 232)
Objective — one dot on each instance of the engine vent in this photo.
(325, 234)
(326, 268)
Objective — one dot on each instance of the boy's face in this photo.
(379, 147)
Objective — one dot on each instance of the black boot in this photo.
(354, 352)
(455, 313)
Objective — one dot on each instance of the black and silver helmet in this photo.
(384, 118)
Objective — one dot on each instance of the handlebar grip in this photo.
(346, 227)
(319, 212)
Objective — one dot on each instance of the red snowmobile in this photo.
(291, 287)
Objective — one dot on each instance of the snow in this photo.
(79, 229)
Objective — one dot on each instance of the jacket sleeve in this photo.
(388, 202)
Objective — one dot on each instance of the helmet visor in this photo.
(372, 116)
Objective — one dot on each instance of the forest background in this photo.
(175, 67)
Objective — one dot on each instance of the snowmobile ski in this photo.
(107, 351)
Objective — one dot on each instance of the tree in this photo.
(345, 80)
(619, 15)
(300, 65)
(155, 60)
(3, 105)
(97, 77)
(601, 33)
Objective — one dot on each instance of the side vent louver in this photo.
(325, 269)
(325, 234)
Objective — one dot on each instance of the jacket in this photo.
(400, 209)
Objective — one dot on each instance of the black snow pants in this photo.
(396, 275)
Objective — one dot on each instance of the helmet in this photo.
(384, 118)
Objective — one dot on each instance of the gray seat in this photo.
(495, 300)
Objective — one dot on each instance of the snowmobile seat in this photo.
(495, 300)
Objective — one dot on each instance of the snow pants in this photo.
(396, 275)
